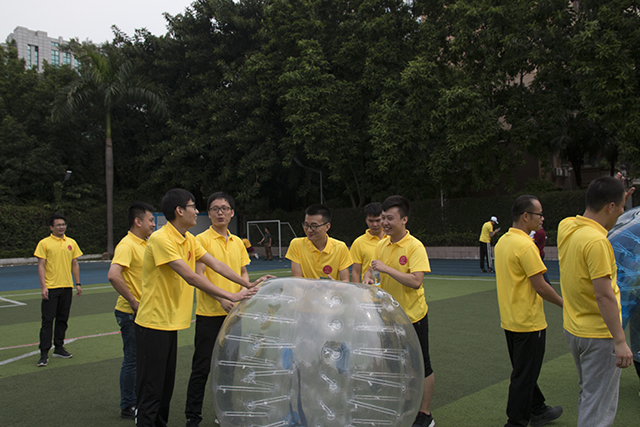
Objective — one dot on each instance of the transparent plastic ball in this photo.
(317, 353)
(625, 241)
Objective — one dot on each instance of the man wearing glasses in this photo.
(57, 259)
(521, 289)
(166, 304)
(212, 311)
(318, 256)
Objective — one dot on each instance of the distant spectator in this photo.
(485, 243)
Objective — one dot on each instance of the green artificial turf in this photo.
(467, 347)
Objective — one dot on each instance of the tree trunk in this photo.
(108, 160)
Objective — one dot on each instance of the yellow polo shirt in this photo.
(362, 250)
(407, 256)
(584, 254)
(58, 252)
(166, 303)
(485, 234)
(231, 252)
(129, 254)
(315, 264)
(517, 259)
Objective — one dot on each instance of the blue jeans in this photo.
(128, 371)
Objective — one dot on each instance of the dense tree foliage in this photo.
(380, 96)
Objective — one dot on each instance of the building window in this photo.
(55, 57)
(32, 57)
(66, 58)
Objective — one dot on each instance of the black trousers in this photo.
(485, 255)
(526, 351)
(57, 307)
(156, 353)
(207, 328)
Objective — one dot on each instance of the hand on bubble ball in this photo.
(260, 280)
(243, 294)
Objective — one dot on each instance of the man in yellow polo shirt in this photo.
(402, 261)
(521, 289)
(166, 304)
(318, 255)
(485, 243)
(57, 259)
(592, 311)
(364, 246)
(211, 312)
(125, 275)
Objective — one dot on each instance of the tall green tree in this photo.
(107, 80)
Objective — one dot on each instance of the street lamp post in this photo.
(299, 163)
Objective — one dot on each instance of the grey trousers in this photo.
(599, 380)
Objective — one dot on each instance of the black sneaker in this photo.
(547, 416)
(193, 423)
(62, 353)
(44, 359)
(128, 413)
(424, 420)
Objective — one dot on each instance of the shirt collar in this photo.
(581, 220)
(402, 242)
(174, 233)
(327, 247)
(63, 238)
(136, 239)
(218, 235)
(371, 236)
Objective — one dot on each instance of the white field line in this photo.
(39, 293)
(33, 353)
(12, 303)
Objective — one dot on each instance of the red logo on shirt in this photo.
(69, 247)
(327, 269)
(189, 256)
(402, 260)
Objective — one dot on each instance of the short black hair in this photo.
(55, 216)
(319, 209)
(522, 204)
(137, 210)
(399, 202)
(174, 198)
(372, 209)
(221, 195)
(602, 191)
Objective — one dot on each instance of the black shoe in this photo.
(44, 359)
(491, 270)
(424, 420)
(193, 423)
(483, 270)
(547, 416)
(128, 413)
(62, 353)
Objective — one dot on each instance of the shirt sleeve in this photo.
(40, 251)
(418, 260)
(293, 253)
(531, 262)
(345, 257)
(122, 255)
(356, 252)
(599, 256)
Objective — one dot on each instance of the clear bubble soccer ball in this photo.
(625, 241)
(317, 353)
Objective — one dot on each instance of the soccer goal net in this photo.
(281, 234)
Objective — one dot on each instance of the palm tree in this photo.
(107, 79)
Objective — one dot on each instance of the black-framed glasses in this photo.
(216, 209)
(541, 215)
(312, 227)
(192, 205)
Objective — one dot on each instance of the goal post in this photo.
(282, 227)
